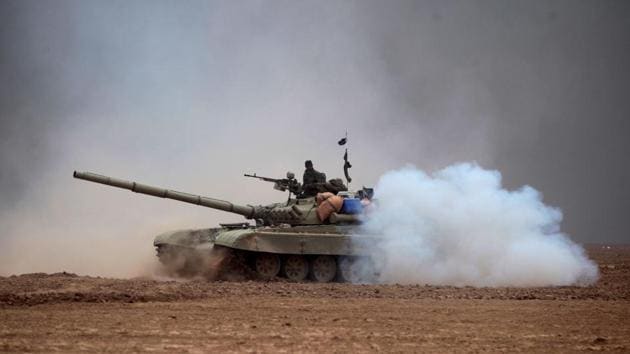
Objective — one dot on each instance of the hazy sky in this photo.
(190, 95)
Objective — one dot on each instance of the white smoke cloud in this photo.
(458, 226)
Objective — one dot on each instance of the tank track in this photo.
(222, 263)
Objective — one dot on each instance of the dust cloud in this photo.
(459, 226)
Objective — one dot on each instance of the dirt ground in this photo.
(68, 313)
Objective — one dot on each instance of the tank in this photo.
(310, 236)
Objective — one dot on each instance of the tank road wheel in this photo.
(323, 269)
(348, 270)
(295, 268)
(267, 265)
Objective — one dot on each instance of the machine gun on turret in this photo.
(282, 184)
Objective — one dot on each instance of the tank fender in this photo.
(289, 242)
(189, 238)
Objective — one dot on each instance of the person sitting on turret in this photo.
(311, 175)
(312, 180)
(315, 182)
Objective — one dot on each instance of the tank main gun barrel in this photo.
(247, 211)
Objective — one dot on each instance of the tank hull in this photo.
(279, 246)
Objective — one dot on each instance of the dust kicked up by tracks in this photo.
(40, 288)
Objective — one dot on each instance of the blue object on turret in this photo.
(351, 206)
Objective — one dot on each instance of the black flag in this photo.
(346, 166)
(343, 141)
